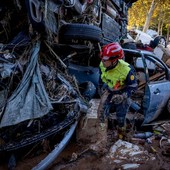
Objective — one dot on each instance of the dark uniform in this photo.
(120, 82)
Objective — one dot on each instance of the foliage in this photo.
(160, 19)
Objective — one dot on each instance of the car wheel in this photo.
(87, 89)
(79, 32)
(160, 40)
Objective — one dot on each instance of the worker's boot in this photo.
(121, 128)
(121, 131)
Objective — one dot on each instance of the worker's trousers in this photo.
(121, 109)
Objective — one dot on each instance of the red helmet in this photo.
(112, 52)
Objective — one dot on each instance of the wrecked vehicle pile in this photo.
(78, 20)
(38, 96)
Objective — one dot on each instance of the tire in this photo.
(87, 89)
(129, 45)
(80, 32)
(160, 40)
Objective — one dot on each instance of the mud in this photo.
(78, 156)
(90, 160)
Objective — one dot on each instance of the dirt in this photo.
(79, 156)
(89, 160)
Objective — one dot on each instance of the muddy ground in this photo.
(79, 156)
(76, 156)
(89, 160)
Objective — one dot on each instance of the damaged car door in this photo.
(157, 92)
(157, 85)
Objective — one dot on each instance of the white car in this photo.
(145, 38)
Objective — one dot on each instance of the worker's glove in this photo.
(102, 89)
(118, 98)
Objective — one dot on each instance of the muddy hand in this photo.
(118, 98)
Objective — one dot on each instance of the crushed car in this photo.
(153, 83)
(39, 99)
(36, 100)
(78, 20)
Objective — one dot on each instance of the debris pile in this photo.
(123, 151)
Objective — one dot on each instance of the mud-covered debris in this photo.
(128, 152)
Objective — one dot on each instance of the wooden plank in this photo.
(152, 78)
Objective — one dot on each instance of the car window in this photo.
(156, 70)
(139, 64)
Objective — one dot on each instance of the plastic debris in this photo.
(150, 140)
(143, 135)
(141, 141)
(160, 142)
(123, 150)
(127, 166)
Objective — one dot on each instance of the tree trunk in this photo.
(162, 24)
(159, 26)
(168, 30)
(149, 15)
(159, 21)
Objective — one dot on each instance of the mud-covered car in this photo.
(75, 21)
(73, 28)
(153, 83)
(38, 99)
(66, 21)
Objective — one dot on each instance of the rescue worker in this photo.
(119, 80)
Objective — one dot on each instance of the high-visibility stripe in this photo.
(133, 85)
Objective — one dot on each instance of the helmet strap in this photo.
(113, 65)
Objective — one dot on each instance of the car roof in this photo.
(137, 51)
(144, 52)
